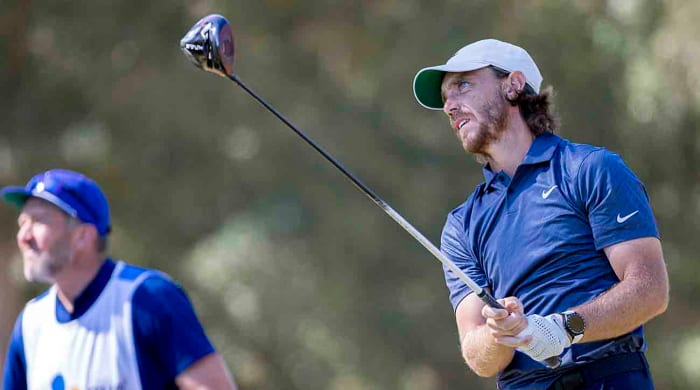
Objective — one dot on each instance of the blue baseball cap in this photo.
(76, 194)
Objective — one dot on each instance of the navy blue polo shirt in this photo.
(540, 235)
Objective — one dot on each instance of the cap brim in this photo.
(426, 88)
(428, 82)
(15, 196)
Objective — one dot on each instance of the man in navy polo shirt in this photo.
(563, 233)
(103, 324)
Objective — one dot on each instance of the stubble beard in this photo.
(45, 268)
(495, 113)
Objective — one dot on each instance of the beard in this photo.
(46, 266)
(495, 114)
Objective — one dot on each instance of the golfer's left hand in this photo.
(506, 325)
(547, 336)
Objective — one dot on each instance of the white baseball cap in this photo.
(477, 55)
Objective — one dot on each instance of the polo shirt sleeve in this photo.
(453, 247)
(615, 200)
(15, 373)
(167, 333)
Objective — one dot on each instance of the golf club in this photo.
(209, 45)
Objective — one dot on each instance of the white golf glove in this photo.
(549, 338)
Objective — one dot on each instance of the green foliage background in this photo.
(301, 281)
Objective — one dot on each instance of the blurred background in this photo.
(300, 280)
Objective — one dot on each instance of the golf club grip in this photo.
(487, 298)
(552, 362)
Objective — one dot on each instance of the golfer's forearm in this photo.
(623, 308)
(482, 354)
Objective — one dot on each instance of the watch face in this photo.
(575, 323)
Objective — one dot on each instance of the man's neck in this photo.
(508, 152)
(74, 280)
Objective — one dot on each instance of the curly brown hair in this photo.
(537, 109)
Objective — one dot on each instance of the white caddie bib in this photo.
(94, 351)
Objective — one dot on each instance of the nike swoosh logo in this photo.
(545, 194)
(626, 217)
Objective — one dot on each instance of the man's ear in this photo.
(514, 85)
(86, 235)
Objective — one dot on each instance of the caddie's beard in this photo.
(44, 267)
(490, 130)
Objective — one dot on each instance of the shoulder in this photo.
(34, 318)
(40, 298)
(38, 309)
(150, 290)
(14, 375)
(159, 303)
(157, 287)
(130, 272)
(573, 155)
(148, 280)
(601, 164)
(16, 336)
(587, 163)
(156, 292)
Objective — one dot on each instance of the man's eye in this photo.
(462, 85)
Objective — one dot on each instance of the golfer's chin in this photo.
(476, 140)
(473, 145)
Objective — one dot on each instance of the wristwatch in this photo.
(574, 324)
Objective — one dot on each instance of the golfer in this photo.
(103, 324)
(562, 233)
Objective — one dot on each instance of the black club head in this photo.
(209, 45)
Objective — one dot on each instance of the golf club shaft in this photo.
(482, 293)
(209, 45)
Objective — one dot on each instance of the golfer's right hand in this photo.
(506, 325)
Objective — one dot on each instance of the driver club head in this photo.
(209, 45)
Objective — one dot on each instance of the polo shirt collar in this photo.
(541, 150)
(88, 296)
(489, 175)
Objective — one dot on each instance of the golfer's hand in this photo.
(547, 337)
(506, 325)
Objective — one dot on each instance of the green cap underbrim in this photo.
(15, 197)
(427, 86)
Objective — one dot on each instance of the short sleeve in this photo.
(167, 333)
(615, 200)
(453, 247)
(15, 373)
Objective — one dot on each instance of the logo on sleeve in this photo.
(626, 217)
(546, 193)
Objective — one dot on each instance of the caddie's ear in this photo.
(85, 236)
(514, 85)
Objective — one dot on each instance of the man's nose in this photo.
(24, 233)
(450, 109)
(450, 106)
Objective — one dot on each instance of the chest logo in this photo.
(546, 193)
(626, 217)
